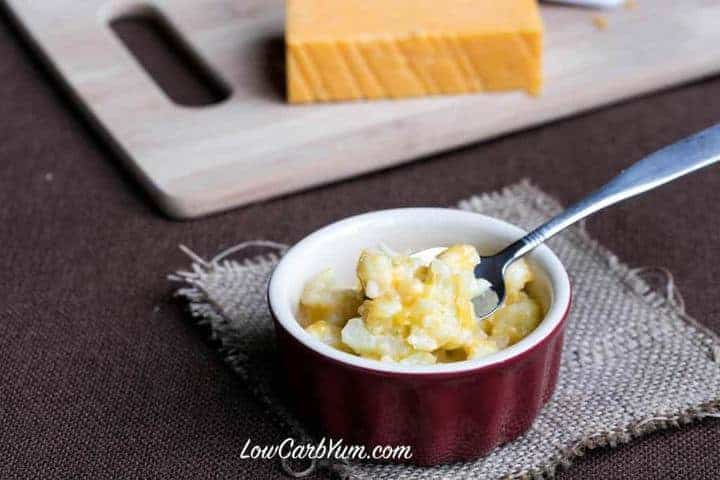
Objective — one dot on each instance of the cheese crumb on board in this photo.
(371, 49)
(600, 22)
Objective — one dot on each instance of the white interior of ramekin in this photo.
(338, 246)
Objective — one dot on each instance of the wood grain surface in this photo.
(252, 146)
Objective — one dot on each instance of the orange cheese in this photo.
(367, 49)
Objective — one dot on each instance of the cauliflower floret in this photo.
(481, 348)
(516, 320)
(422, 340)
(517, 275)
(419, 358)
(445, 327)
(480, 345)
(460, 257)
(409, 277)
(475, 286)
(418, 314)
(379, 314)
(392, 346)
(327, 333)
(375, 271)
(356, 336)
(321, 300)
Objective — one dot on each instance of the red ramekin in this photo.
(444, 412)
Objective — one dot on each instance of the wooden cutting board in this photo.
(195, 161)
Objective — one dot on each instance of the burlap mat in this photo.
(633, 360)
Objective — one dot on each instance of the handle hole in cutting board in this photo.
(171, 62)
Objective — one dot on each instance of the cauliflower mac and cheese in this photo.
(414, 313)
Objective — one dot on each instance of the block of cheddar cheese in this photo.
(370, 49)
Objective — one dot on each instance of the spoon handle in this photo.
(674, 161)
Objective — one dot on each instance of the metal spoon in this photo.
(663, 166)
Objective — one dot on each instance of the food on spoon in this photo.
(369, 49)
(410, 312)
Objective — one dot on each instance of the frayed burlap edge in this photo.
(630, 277)
(206, 312)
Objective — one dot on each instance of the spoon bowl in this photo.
(490, 268)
